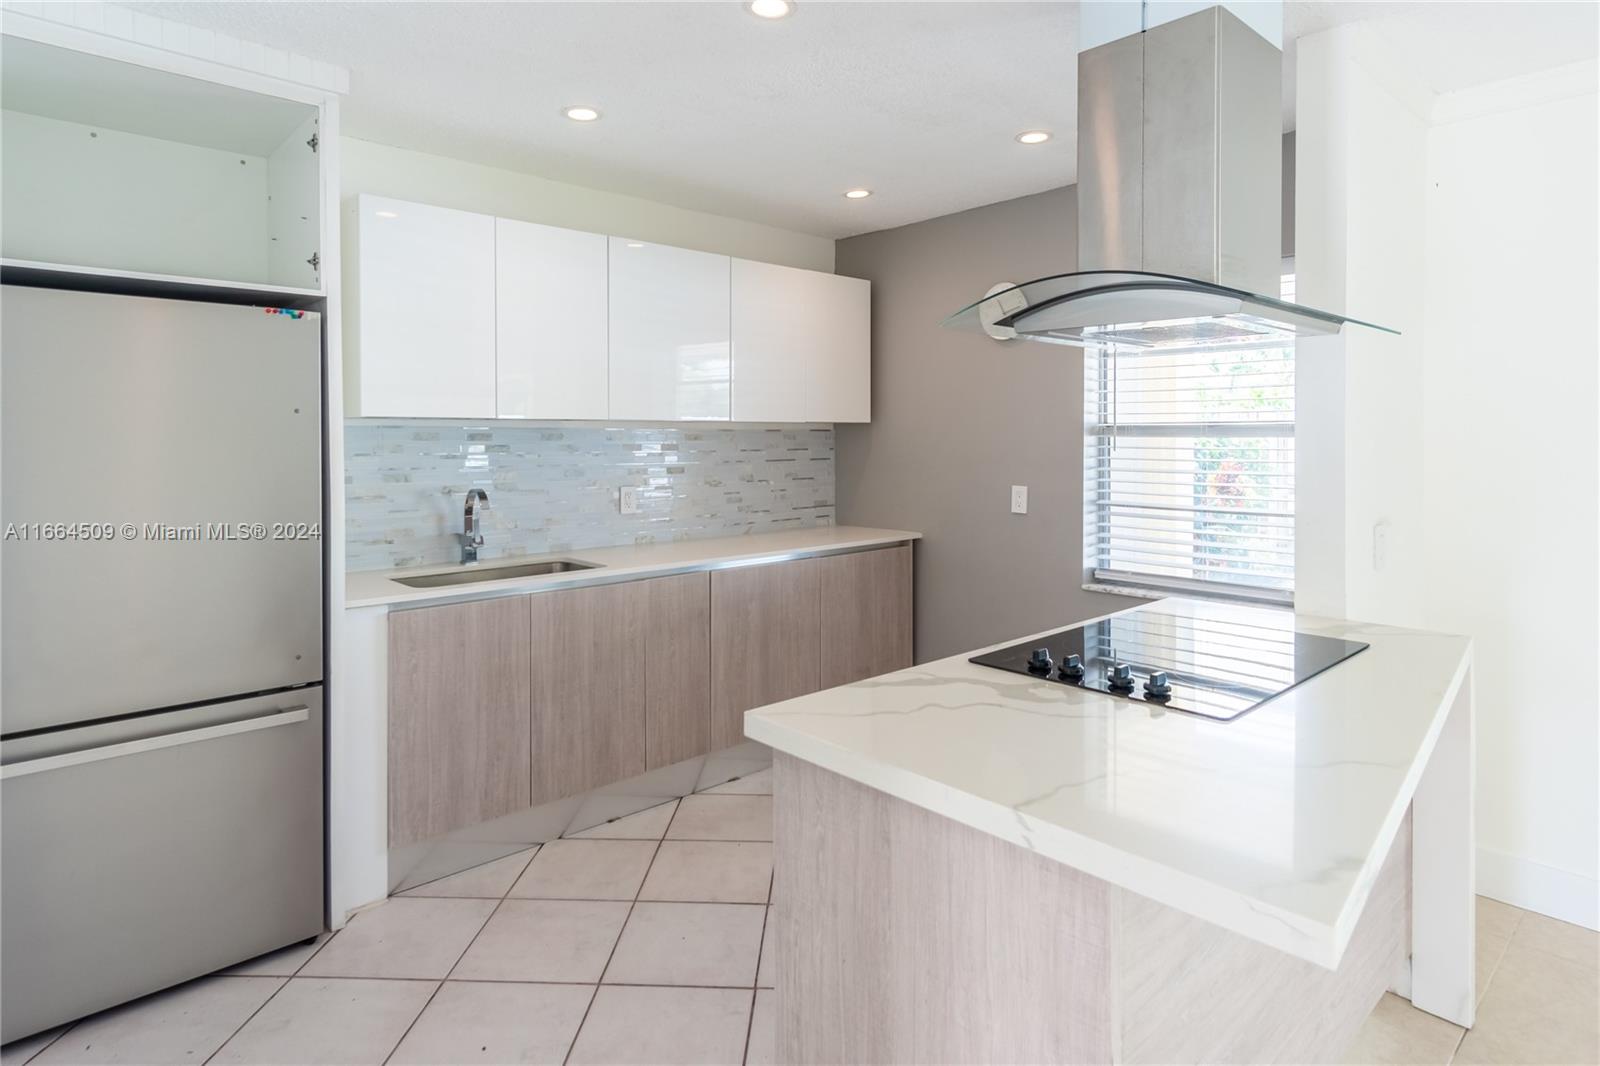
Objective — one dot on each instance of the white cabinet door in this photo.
(550, 289)
(801, 345)
(841, 357)
(669, 333)
(421, 341)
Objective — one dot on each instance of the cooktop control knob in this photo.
(1120, 679)
(1156, 686)
(1072, 668)
(1040, 662)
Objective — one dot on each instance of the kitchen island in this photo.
(975, 865)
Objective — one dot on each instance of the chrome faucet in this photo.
(471, 536)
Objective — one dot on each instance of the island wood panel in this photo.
(588, 687)
(677, 668)
(458, 716)
(865, 613)
(764, 641)
(1195, 992)
(904, 937)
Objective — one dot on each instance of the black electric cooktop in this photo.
(1206, 666)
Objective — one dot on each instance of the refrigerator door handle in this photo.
(47, 763)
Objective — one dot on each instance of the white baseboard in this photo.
(1560, 894)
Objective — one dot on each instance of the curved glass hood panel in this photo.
(1143, 310)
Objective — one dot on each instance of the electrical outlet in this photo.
(628, 500)
(1380, 545)
(1019, 499)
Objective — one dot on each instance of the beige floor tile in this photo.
(315, 1021)
(490, 881)
(710, 871)
(688, 944)
(20, 1051)
(544, 940)
(1540, 1008)
(182, 1024)
(756, 784)
(709, 817)
(769, 964)
(664, 1025)
(763, 1048)
(285, 962)
(1397, 1033)
(410, 938)
(1561, 939)
(586, 869)
(645, 825)
(1495, 923)
(497, 1023)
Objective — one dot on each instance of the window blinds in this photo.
(1189, 470)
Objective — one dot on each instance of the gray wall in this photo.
(957, 419)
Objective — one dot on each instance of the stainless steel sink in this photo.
(494, 573)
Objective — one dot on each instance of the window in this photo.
(1189, 469)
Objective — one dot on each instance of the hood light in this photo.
(581, 114)
(771, 9)
(1033, 136)
(858, 194)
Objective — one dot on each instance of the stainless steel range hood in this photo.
(1179, 189)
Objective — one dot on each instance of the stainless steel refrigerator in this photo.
(161, 736)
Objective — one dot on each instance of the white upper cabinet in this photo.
(801, 345)
(550, 287)
(116, 169)
(669, 333)
(420, 339)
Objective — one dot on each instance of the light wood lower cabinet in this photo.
(865, 614)
(677, 669)
(588, 687)
(501, 704)
(764, 641)
(458, 716)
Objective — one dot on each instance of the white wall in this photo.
(1361, 160)
(1511, 454)
(432, 179)
(1469, 223)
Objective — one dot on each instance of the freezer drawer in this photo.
(139, 854)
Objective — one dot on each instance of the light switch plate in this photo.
(628, 500)
(1019, 499)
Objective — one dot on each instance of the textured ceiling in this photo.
(707, 107)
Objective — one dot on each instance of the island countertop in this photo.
(373, 588)
(1273, 825)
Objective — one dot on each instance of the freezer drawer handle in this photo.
(167, 740)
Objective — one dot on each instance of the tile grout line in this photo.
(620, 931)
(293, 974)
(432, 995)
(48, 1044)
(1482, 993)
(755, 985)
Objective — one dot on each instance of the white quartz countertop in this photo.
(1273, 825)
(374, 588)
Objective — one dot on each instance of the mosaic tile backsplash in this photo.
(554, 486)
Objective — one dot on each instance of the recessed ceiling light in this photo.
(1033, 136)
(635, 244)
(858, 194)
(388, 214)
(582, 114)
(771, 9)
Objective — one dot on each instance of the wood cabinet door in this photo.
(420, 325)
(764, 625)
(588, 687)
(550, 317)
(677, 669)
(458, 716)
(668, 342)
(866, 614)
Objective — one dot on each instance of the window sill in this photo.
(1126, 590)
